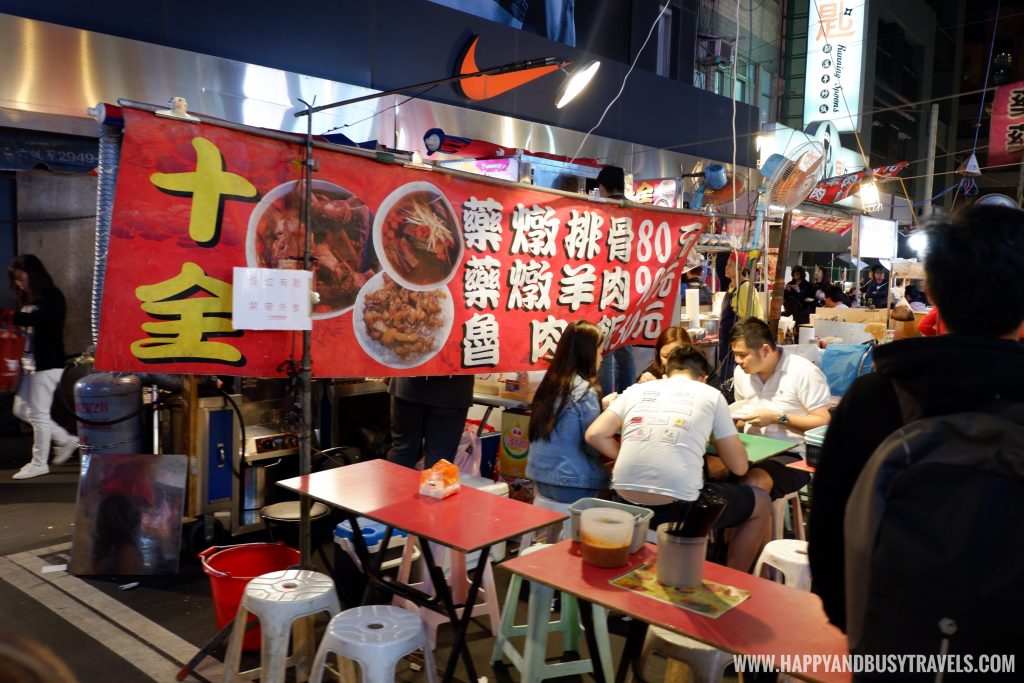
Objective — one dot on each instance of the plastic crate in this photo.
(643, 518)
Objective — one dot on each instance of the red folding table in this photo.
(467, 521)
(774, 620)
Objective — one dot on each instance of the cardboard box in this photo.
(904, 330)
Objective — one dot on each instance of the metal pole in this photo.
(305, 376)
(929, 169)
(775, 306)
(506, 68)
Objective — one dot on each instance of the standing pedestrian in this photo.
(41, 314)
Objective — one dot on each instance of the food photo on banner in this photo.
(418, 271)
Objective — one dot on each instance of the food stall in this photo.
(418, 271)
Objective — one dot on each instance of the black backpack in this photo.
(934, 534)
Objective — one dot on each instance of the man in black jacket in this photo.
(980, 360)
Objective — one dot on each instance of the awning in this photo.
(23, 150)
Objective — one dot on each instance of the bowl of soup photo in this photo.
(417, 237)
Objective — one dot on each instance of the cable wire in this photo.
(623, 86)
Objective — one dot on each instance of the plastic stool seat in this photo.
(377, 637)
(531, 662)
(563, 528)
(707, 664)
(283, 602)
(789, 557)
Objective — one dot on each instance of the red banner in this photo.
(419, 272)
(832, 190)
(1006, 132)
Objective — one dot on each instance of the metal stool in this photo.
(376, 636)
(706, 664)
(531, 662)
(789, 557)
(284, 602)
(288, 514)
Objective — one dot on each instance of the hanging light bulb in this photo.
(918, 241)
(577, 80)
(870, 201)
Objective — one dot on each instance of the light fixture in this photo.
(575, 82)
(918, 241)
(870, 201)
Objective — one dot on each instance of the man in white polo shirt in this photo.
(780, 395)
(665, 426)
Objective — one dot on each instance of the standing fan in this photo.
(790, 178)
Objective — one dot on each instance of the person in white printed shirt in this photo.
(779, 395)
(665, 426)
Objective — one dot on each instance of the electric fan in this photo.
(790, 178)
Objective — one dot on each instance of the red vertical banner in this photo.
(1006, 131)
(418, 272)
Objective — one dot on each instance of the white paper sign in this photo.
(270, 299)
(874, 237)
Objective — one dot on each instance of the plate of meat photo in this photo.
(416, 234)
(400, 327)
(343, 256)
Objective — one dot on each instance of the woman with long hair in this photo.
(41, 313)
(669, 339)
(568, 399)
(822, 281)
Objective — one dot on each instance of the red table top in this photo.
(774, 620)
(388, 493)
(801, 465)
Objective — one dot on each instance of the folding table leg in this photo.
(461, 625)
(587, 617)
(632, 653)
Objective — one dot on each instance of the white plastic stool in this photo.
(779, 516)
(458, 583)
(531, 663)
(789, 557)
(376, 636)
(707, 664)
(284, 602)
(550, 532)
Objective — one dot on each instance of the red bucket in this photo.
(231, 568)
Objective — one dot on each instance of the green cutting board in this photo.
(760, 447)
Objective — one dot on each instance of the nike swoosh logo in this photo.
(486, 87)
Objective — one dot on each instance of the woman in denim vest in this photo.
(564, 468)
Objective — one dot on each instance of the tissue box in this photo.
(642, 516)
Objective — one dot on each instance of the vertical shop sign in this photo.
(834, 78)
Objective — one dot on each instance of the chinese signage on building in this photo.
(418, 272)
(835, 62)
(1006, 139)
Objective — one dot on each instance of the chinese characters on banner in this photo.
(835, 56)
(418, 272)
(1006, 136)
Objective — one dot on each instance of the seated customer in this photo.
(834, 297)
(564, 468)
(670, 338)
(665, 426)
(778, 394)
